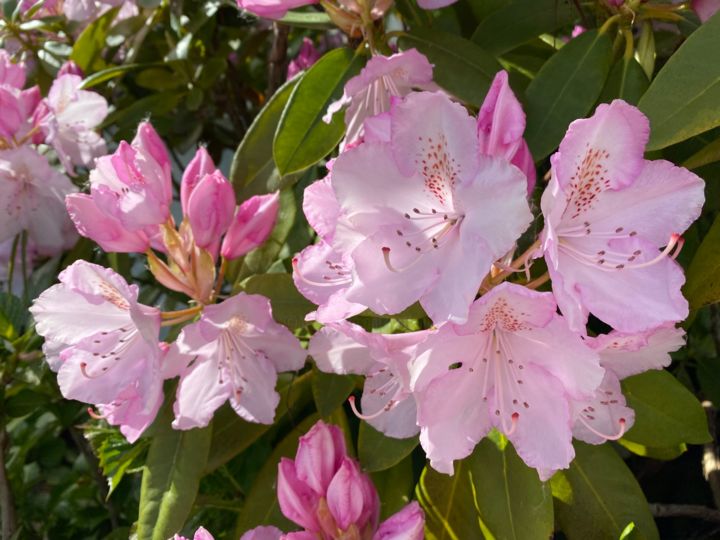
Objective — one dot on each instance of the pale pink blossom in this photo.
(103, 344)
(306, 57)
(608, 212)
(202, 534)
(70, 68)
(514, 366)
(32, 195)
(253, 222)
(387, 402)
(264, 533)
(17, 107)
(272, 9)
(500, 126)
(425, 215)
(239, 351)
(200, 166)
(382, 79)
(85, 11)
(435, 4)
(606, 415)
(11, 74)
(705, 8)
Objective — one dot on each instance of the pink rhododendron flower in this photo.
(387, 402)
(103, 344)
(607, 213)
(130, 195)
(86, 11)
(201, 534)
(70, 68)
(322, 274)
(32, 196)
(606, 416)
(69, 117)
(17, 109)
(210, 210)
(514, 366)
(272, 9)
(264, 533)
(200, 166)
(370, 93)
(501, 123)
(11, 74)
(426, 215)
(239, 350)
(306, 57)
(325, 492)
(253, 222)
(705, 8)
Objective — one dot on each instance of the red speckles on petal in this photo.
(439, 169)
(502, 315)
(589, 179)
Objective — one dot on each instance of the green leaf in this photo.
(706, 155)
(231, 435)
(330, 390)
(665, 454)
(261, 505)
(308, 19)
(492, 494)
(461, 67)
(598, 497)
(13, 315)
(87, 51)
(253, 169)
(394, 486)
(682, 100)
(520, 21)
(666, 413)
(565, 89)
(116, 456)
(25, 402)
(156, 104)
(103, 75)
(289, 307)
(626, 81)
(702, 285)
(303, 138)
(171, 477)
(378, 452)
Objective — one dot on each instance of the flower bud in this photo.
(210, 209)
(319, 455)
(254, 220)
(342, 495)
(11, 74)
(70, 68)
(148, 141)
(297, 501)
(200, 165)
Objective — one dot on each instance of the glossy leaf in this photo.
(598, 497)
(702, 286)
(460, 66)
(666, 413)
(288, 305)
(330, 390)
(304, 19)
(113, 72)
(378, 452)
(253, 168)
(565, 89)
(394, 486)
(303, 138)
(704, 156)
(682, 99)
(520, 21)
(13, 316)
(171, 477)
(492, 494)
(627, 81)
(88, 48)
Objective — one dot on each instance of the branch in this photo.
(7, 501)
(277, 59)
(685, 511)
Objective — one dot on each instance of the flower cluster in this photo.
(106, 346)
(427, 204)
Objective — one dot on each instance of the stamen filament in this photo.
(614, 437)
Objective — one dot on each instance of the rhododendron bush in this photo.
(359, 270)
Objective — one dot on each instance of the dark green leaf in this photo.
(101, 76)
(87, 51)
(666, 413)
(330, 390)
(24, 402)
(394, 486)
(378, 452)
(626, 81)
(157, 104)
(597, 497)
(289, 307)
(171, 477)
(305, 19)
(492, 494)
(520, 21)
(704, 156)
(303, 138)
(253, 169)
(565, 89)
(13, 315)
(702, 286)
(461, 67)
(682, 100)
(664, 454)
(231, 435)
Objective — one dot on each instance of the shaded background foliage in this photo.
(205, 73)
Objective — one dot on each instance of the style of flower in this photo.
(239, 350)
(606, 416)
(370, 93)
(514, 366)
(103, 344)
(426, 214)
(32, 195)
(387, 402)
(607, 213)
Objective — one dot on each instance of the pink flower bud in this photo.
(254, 220)
(297, 501)
(11, 74)
(210, 209)
(342, 496)
(319, 455)
(148, 141)
(12, 112)
(70, 68)
(201, 165)
(407, 524)
(102, 228)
